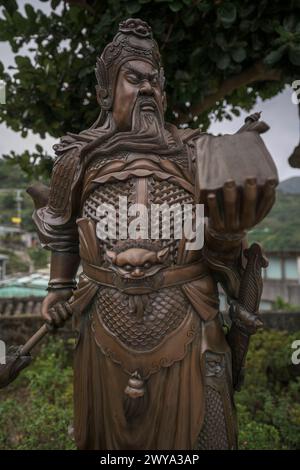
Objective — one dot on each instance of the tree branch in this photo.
(255, 73)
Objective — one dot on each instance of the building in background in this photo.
(281, 279)
(3, 262)
(23, 295)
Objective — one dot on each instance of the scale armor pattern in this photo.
(164, 311)
(213, 435)
(108, 194)
(161, 192)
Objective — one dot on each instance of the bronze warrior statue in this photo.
(154, 366)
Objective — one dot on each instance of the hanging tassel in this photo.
(135, 397)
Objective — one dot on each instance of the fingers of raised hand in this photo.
(241, 208)
(224, 219)
(230, 196)
(215, 218)
(267, 199)
(248, 215)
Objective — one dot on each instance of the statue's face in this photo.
(137, 85)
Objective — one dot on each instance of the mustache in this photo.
(147, 117)
(147, 102)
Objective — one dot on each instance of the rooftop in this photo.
(27, 286)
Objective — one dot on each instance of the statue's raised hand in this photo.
(234, 210)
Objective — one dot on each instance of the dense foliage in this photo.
(269, 403)
(14, 177)
(36, 410)
(215, 53)
(280, 230)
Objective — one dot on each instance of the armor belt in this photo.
(167, 277)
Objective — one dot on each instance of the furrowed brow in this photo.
(139, 74)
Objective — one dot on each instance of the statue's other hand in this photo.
(237, 209)
(53, 310)
(246, 321)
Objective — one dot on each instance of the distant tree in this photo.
(11, 175)
(219, 56)
(294, 159)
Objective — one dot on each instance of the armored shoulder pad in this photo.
(65, 174)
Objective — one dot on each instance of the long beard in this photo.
(147, 130)
(148, 134)
(148, 124)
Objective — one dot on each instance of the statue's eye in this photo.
(154, 81)
(147, 265)
(131, 78)
(128, 267)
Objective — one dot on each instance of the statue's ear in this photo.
(103, 97)
(111, 256)
(163, 254)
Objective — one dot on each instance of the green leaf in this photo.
(294, 55)
(39, 148)
(246, 10)
(175, 6)
(274, 56)
(205, 6)
(245, 25)
(30, 12)
(22, 61)
(19, 20)
(5, 35)
(223, 61)
(55, 3)
(289, 22)
(189, 17)
(182, 75)
(10, 6)
(75, 12)
(239, 54)
(227, 13)
(85, 71)
(133, 7)
(221, 40)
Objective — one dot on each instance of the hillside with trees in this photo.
(280, 230)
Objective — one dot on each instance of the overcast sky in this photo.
(280, 113)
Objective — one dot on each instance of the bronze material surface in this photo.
(153, 366)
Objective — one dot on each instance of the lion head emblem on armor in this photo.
(136, 262)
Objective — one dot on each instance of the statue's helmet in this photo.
(134, 41)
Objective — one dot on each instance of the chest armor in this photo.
(140, 322)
